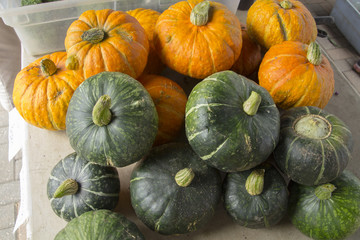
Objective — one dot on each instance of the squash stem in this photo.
(67, 187)
(93, 35)
(200, 14)
(255, 182)
(48, 67)
(251, 105)
(101, 113)
(184, 177)
(72, 63)
(286, 4)
(314, 54)
(323, 192)
(313, 126)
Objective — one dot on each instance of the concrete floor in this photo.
(346, 104)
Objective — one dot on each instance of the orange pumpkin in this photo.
(270, 22)
(198, 40)
(170, 100)
(43, 89)
(296, 74)
(147, 19)
(106, 40)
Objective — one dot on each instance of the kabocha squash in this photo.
(296, 74)
(76, 186)
(170, 100)
(327, 211)
(270, 22)
(315, 146)
(256, 198)
(198, 40)
(231, 122)
(43, 89)
(147, 19)
(111, 120)
(100, 225)
(172, 191)
(106, 40)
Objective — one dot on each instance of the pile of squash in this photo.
(253, 121)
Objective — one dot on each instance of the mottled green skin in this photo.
(259, 211)
(164, 206)
(100, 225)
(312, 161)
(133, 127)
(99, 187)
(219, 130)
(335, 218)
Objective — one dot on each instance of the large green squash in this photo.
(174, 192)
(231, 122)
(100, 225)
(327, 211)
(314, 147)
(76, 186)
(111, 119)
(256, 198)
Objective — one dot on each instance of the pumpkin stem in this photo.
(48, 67)
(101, 113)
(67, 187)
(255, 182)
(251, 105)
(93, 35)
(72, 63)
(200, 13)
(323, 192)
(184, 177)
(314, 54)
(286, 4)
(313, 126)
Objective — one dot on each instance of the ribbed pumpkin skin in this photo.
(334, 218)
(43, 100)
(292, 80)
(219, 130)
(312, 161)
(100, 225)
(198, 51)
(259, 211)
(269, 24)
(125, 47)
(164, 206)
(99, 187)
(133, 127)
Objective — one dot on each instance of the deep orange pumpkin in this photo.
(107, 40)
(198, 40)
(170, 100)
(43, 89)
(296, 74)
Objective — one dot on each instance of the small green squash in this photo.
(174, 192)
(111, 120)
(314, 147)
(76, 186)
(256, 198)
(100, 225)
(231, 122)
(327, 211)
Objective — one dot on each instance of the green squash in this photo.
(231, 122)
(172, 191)
(327, 211)
(111, 120)
(256, 198)
(76, 186)
(100, 225)
(314, 147)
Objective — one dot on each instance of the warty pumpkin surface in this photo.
(107, 40)
(43, 89)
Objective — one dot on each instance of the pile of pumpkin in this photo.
(107, 91)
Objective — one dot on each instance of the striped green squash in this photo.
(327, 211)
(231, 122)
(76, 186)
(100, 225)
(314, 147)
(111, 119)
